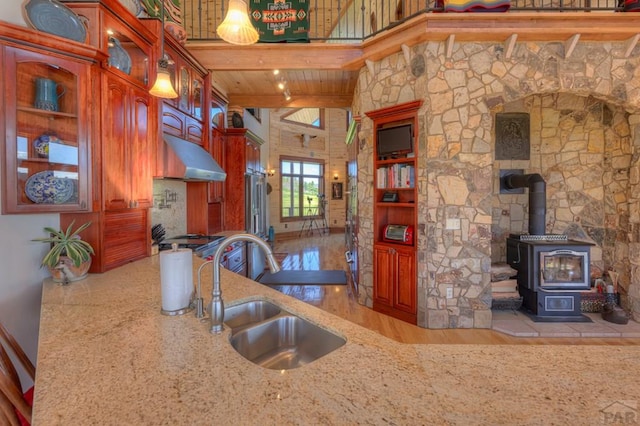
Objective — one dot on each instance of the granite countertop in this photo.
(107, 356)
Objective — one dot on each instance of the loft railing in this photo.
(352, 21)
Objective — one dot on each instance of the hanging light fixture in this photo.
(163, 88)
(236, 27)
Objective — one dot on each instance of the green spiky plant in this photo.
(66, 243)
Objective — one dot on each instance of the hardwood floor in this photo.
(327, 252)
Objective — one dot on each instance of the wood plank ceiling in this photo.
(325, 74)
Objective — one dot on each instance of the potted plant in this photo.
(69, 258)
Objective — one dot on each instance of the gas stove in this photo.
(202, 245)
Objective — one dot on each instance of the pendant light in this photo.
(163, 88)
(236, 27)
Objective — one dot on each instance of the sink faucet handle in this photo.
(198, 300)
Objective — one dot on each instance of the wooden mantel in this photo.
(485, 27)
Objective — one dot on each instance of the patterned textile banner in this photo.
(281, 20)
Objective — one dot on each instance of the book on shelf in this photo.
(396, 176)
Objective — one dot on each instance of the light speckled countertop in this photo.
(107, 356)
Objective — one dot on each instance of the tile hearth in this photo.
(516, 323)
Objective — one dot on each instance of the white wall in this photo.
(20, 285)
(12, 11)
(21, 282)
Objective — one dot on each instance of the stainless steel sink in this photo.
(246, 314)
(285, 342)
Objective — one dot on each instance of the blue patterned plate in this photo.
(53, 17)
(45, 188)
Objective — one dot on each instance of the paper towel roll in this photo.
(176, 279)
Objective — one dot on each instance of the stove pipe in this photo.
(537, 198)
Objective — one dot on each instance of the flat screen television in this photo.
(394, 141)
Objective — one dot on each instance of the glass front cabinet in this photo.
(47, 135)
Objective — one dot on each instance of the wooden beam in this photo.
(228, 57)
(509, 45)
(630, 44)
(570, 45)
(278, 101)
(449, 45)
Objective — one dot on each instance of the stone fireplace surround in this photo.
(584, 121)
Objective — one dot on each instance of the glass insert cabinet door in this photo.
(46, 144)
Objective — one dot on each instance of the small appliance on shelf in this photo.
(401, 234)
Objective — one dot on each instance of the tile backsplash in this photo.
(170, 206)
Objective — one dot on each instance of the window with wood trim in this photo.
(309, 117)
(302, 188)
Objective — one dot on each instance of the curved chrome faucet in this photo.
(216, 309)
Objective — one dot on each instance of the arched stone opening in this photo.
(583, 148)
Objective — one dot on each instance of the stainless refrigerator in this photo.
(256, 220)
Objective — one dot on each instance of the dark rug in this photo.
(330, 277)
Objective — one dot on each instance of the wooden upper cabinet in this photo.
(45, 122)
(117, 183)
(184, 116)
(113, 29)
(127, 151)
(198, 97)
(127, 114)
(189, 78)
(141, 149)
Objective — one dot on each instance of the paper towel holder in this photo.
(184, 310)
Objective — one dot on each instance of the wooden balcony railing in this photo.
(354, 21)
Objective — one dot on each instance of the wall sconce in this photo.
(271, 172)
(335, 176)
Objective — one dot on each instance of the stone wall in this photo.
(585, 141)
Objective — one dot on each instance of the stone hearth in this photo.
(516, 323)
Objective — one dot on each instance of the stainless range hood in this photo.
(198, 163)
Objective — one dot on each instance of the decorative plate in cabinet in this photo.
(53, 17)
(47, 188)
(118, 57)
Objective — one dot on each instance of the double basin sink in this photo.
(271, 337)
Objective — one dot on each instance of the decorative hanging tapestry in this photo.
(281, 20)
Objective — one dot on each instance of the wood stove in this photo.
(552, 271)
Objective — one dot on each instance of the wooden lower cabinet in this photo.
(394, 290)
(118, 237)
